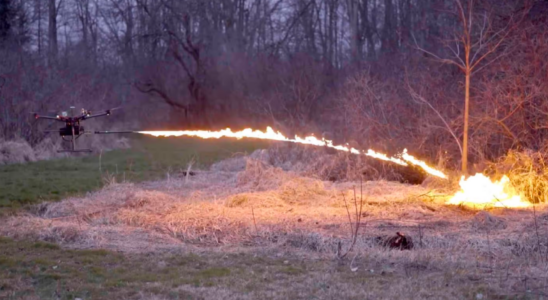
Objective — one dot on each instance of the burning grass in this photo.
(527, 172)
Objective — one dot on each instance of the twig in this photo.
(352, 268)
(100, 159)
(489, 249)
(348, 213)
(420, 235)
(354, 228)
(536, 230)
(188, 169)
(254, 222)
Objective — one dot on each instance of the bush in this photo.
(16, 151)
(527, 172)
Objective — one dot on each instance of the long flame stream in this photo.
(476, 191)
(270, 134)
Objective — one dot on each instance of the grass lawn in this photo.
(39, 270)
(149, 158)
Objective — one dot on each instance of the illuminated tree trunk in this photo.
(465, 134)
(467, 73)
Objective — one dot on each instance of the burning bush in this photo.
(527, 172)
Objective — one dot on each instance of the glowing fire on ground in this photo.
(270, 134)
(479, 191)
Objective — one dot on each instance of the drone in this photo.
(73, 130)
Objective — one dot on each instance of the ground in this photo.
(246, 229)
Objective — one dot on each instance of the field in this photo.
(149, 158)
(250, 227)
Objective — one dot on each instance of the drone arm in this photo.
(90, 116)
(37, 116)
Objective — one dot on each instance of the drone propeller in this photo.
(109, 111)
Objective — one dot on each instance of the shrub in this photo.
(527, 172)
(16, 151)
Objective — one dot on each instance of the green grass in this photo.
(28, 271)
(149, 158)
(49, 272)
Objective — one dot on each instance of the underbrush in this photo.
(20, 151)
(527, 171)
(329, 164)
(16, 151)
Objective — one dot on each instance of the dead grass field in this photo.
(274, 234)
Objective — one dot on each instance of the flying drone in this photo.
(73, 130)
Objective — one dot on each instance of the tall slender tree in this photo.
(476, 40)
(53, 9)
(7, 15)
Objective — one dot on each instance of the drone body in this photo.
(73, 128)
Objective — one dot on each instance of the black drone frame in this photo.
(73, 130)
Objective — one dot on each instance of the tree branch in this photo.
(421, 99)
(442, 60)
(149, 88)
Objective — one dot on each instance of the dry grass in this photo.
(332, 165)
(246, 204)
(527, 171)
(17, 151)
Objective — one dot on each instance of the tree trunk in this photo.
(39, 8)
(465, 134)
(128, 38)
(388, 42)
(355, 46)
(52, 32)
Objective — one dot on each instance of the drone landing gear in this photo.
(73, 132)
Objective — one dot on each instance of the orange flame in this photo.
(412, 160)
(479, 191)
(270, 134)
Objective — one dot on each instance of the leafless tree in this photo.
(476, 41)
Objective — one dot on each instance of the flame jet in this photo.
(271, 134)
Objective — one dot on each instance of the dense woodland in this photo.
(385, 74)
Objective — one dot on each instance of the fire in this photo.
(479, 191)
(412, 160)
(270, 134)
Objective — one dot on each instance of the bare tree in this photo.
(477, 40)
